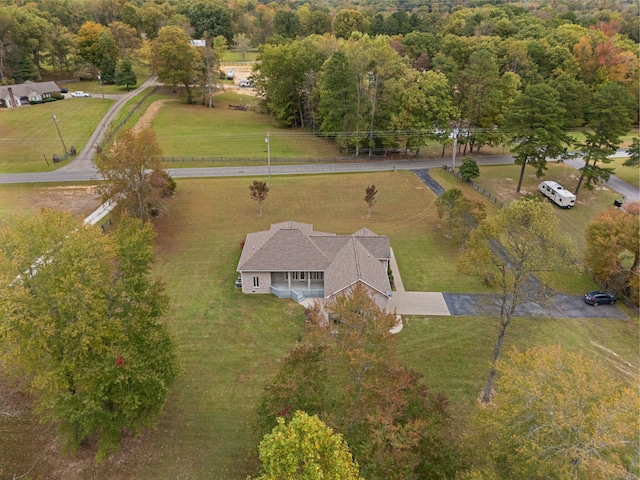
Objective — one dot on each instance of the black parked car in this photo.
(64, 90)
(597, 297)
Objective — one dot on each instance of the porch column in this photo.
(308, 280)
(289, 279)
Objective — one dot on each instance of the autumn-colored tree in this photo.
(88, 47)
(507, 250)
(370, 197)
(613, 248)
(258, 191)
(80, 325)
(305, 449)
(134, 178)
(558, 414)
(396, 428)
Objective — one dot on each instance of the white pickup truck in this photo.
(80, 94)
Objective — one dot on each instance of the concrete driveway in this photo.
(414, 303)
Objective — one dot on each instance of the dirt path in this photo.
(149, 115)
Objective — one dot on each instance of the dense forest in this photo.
(373, 76)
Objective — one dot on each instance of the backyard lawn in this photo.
(229, 343)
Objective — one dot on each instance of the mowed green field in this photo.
(230, 343)
(28, 132)
(199, 131)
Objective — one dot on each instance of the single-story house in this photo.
(22, 94)
(291, 260)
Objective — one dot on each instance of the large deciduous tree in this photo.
(285, 78)
(613, 248)
(134, 178)
(507, 250)
(536, 128)
(609, 116)
(80, 324)
(558, 414)
(352, 379)
(348, 21)
(305, 449)
(173, 59)
(210, 18)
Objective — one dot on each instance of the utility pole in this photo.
(268, 154)
(455, 146)
(101, 89)
(53, 115)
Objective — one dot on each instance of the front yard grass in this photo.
(230, 344)
(29, 132)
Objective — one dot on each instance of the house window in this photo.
(316, 275)
(256, 281)
(294, 275)
(301, 275)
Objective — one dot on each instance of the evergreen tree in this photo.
(124, 74)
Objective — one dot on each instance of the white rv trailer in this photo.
(557, 194)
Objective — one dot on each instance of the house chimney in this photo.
(13, 99)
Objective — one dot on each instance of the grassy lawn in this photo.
(199, 131)
(231, 56)
(229, 343)
(28, 132)
(454, 353)
(501, 181)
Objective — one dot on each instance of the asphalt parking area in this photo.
(557, 306)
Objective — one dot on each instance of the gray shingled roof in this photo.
(24, 89)
(344, 259)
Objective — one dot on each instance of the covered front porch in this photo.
(297, 285)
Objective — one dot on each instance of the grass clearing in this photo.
(199, 131)
(454, 353)
(231, 56)
(230, 343)
(30, 131)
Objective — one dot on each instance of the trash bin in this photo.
(56, 158)
(72, 150)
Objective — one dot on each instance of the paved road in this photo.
(630, 192)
